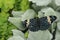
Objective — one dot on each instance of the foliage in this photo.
(5, 26)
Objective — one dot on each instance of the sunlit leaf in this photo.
(48, 11)
(58, 16)
(57, 2)
(16, 38)
(17, 13)
(36, 8)
(41, 2)
(17, 33)
(28, 14)
(39, 35)
(40, 14)
(57, 37)
(17, 22)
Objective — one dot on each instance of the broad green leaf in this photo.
(41, 2)
(39, 35)
(17, 33)
(17, 22)
(52, 4)
(28, 14)
(17, 13)
(58, 9)
(57, 2)
(48, 11)
(58, 16)
(16, 38)
(57, 37)
(40, 14)
(36, 8)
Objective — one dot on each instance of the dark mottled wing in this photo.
(43, 23)
(33, 26)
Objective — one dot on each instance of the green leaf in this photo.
(36, 8)
(39, 35)
(28, 14)
(57, 35)
(17, 22)
(58, 16)
(17, 13)
(57, 2)
(40, 14)
(16, 38)
(17, 33)
(48, 11)
(41, 2)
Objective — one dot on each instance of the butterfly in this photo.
(42, 23)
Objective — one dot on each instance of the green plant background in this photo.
(6, 6)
